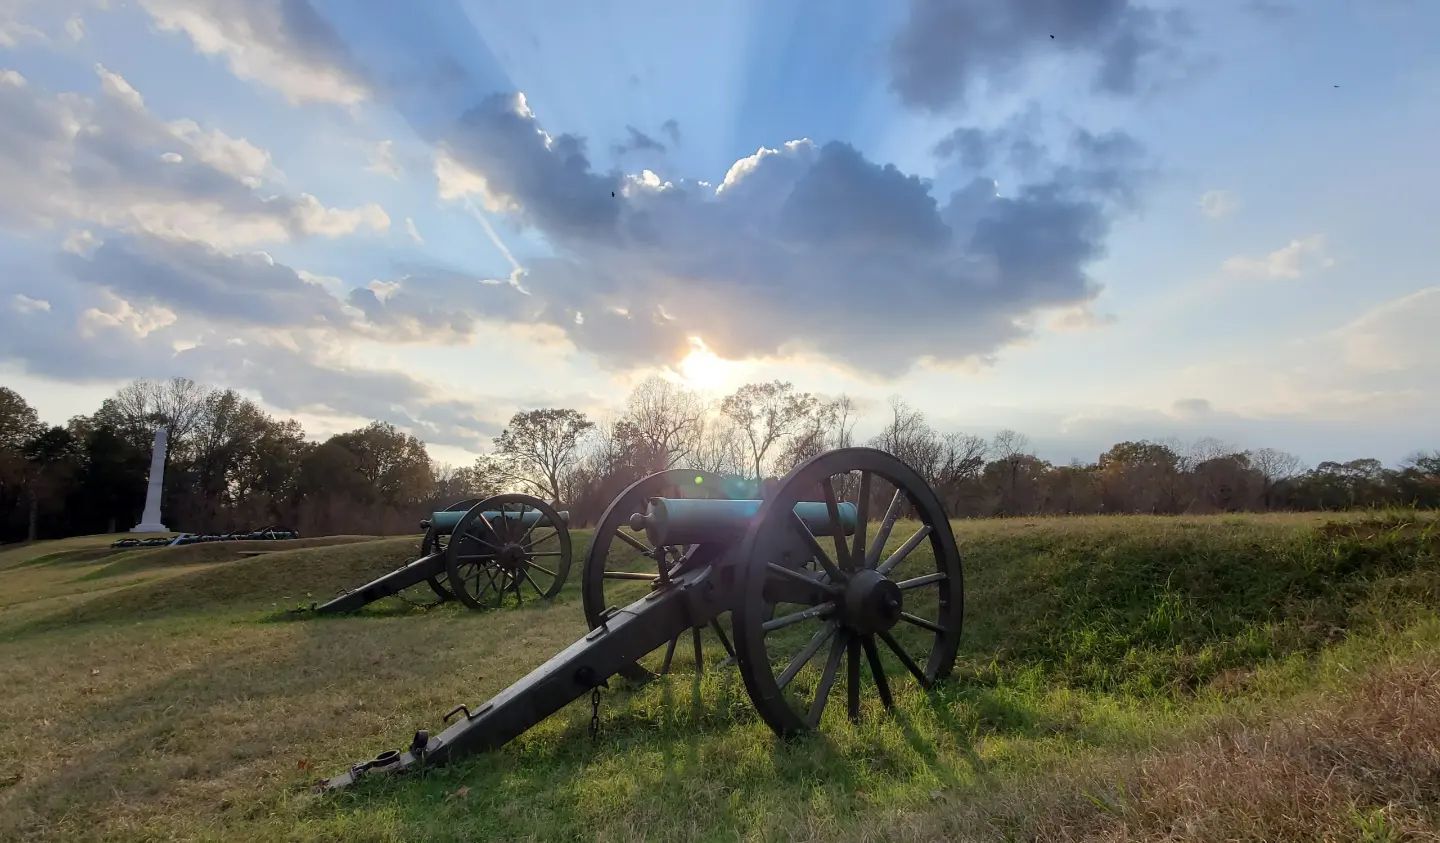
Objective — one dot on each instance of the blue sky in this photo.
(1168, 220)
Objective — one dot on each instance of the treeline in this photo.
(232, 466)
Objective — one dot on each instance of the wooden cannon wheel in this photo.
(897, 608)
(435, 541)
(488, 559)
(621, 566)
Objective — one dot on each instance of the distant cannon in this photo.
(806, 586)
(481, 552)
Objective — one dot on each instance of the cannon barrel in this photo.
(672, 521)
(446, 521)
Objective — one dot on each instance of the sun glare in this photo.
(702, 370)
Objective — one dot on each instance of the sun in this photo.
(702, 370)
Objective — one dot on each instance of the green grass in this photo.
(1104, 659)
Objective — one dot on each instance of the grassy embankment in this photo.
(1255, 677)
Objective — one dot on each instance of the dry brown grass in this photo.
(1362, 763)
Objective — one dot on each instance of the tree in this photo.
(395, 464)
(908, 436)
(1274, 466)
(764, 414)
(136, 408)
(1141, 477)
(664, 422)
(540, 447)
(1013, 464)
(18, 420)
(51, 457)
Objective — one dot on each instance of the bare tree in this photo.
(666, 420)
(721, 447)
(540, 447)
(908, 436)
(140, 405)
(1275, 466)
(766, 413)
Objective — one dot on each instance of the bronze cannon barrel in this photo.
(672, 521)
(446, 521)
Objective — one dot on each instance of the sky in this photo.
(1087, 220)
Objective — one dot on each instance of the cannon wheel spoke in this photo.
(877, 670)
(827, 680)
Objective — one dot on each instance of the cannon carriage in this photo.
(483, 552)
(815, 601)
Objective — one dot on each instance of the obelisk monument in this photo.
(150, 521)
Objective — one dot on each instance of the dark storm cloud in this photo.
(947, 46)
(845, 200)
(546, 179)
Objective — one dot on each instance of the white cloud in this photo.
(382, 159)
(283, 44)
(119, 313)
(235, 156)
(81, 242)
(414, 232)
(315, 218)
(1218, 204)
(1293, 260)
(75, 28)
(114, 85)
(25, 305)
(1397, 336)
(109, 162)
(13, 30)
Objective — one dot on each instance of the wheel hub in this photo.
(511, 557)
(872, 602)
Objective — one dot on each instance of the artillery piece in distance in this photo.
(481, 552)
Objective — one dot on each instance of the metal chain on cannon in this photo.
(595, 713)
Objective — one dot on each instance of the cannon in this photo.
(480, 552)
(806, 585)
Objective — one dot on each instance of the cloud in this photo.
(196, 279)
(499, 152)
(948, 47)
(1396, 336)
(800, 248)
(382, 159)
(23, 304)
(145, 306)
(671, 128)
(75, 28)
(637, 141)
(108, 161)
(1192, 408)
(414, 232)
(1294, 260)
(283, 44)
(1218, 204)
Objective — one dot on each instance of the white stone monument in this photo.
(150, 521)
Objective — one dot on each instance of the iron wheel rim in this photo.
(842, 632)
(486, 561)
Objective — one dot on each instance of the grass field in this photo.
(1133, 678)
